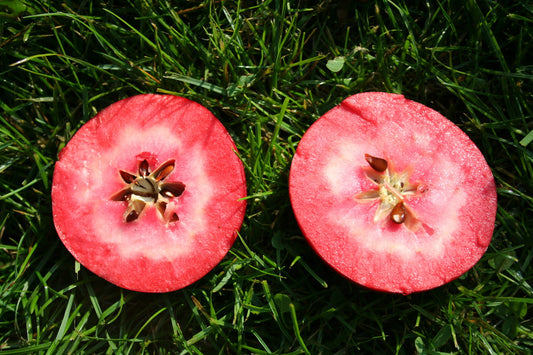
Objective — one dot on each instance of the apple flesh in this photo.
(391, 194)
(148, 193)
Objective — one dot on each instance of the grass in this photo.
(267, 70)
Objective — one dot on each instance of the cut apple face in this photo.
(392, 195)
(149, 193)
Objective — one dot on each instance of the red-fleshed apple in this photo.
(149, 193)
(391, 194)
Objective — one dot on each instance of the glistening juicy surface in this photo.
(456, 212)
(149, 254)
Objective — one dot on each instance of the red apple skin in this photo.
(149, 254)
(457, 210)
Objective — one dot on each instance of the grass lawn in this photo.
(267, 70)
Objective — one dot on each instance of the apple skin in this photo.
(456, 209)
(149, 254)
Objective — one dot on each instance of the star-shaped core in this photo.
(392, 190)
(149, 189)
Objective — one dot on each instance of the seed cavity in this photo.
(127, 177)
(122, 195)
(368, 195)
(161, 207)
(149, 189)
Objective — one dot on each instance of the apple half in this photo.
(391, 194)
(149, 193)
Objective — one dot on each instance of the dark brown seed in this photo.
(127, 177)
(164, 170)
(398, 213)
(174, 217)
(172, 189)
(144, 168)
(132, 216)
(377, 164)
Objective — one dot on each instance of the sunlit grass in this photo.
(267, 71)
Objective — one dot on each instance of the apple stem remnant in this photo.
(148, 188)
(391, 193)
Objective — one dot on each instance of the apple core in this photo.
(392, 190)
(149, 189)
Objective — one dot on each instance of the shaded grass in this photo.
(268, 71)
